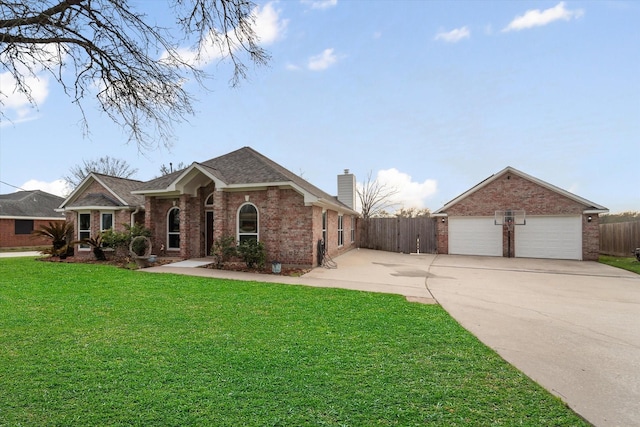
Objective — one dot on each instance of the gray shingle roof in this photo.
(122, 187)
(34, 203)
(245, 166)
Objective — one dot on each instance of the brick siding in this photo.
(511, 191)
(8, 238)
(289, 229)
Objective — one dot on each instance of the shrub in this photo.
(120, 240)
(60, 234)
(223, 250)
(253, 253)
(96, 246)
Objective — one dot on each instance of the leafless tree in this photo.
(105, 165)
(375, 197)
(132, 65)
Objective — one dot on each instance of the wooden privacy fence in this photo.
(619, 238)
(406, 235)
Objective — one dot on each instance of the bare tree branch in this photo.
(104, 48)
(105, 165)
(375, 197)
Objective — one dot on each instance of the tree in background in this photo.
(412, 212)
(105, 165)
(132, 65)
(166, 170)
(620, 217)
(375, 197)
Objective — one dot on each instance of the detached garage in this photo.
(512, 214)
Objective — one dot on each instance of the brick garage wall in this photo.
(8, 238)
(511, 191)
(590, 237)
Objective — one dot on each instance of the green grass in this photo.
(95, 345)
(626, 263)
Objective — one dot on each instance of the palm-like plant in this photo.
(60, 234)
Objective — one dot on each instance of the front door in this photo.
(209, 232)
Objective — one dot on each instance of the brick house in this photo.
(241, 194)
(23, 212)
(512, 214)
(101, 202)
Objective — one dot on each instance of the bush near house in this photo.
(61, 235)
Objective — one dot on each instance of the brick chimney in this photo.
(347, 189)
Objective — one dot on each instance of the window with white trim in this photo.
(353, 229)
(340, 231)
(209, 201)
(84, 228)
(324, 228)
(173, 229)
(247, 223)
(106, 221)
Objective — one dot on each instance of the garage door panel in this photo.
(549, 237)
(474, 236)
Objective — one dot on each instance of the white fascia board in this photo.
(99, 208)
(77, 190)
(510, 169)
(176, 187)
(37, 218)
(595, 211)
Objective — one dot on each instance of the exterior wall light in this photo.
(589, 218)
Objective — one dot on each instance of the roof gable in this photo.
(118, 192)
(588, 205)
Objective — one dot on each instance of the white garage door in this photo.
(474, 236)
(557, 237)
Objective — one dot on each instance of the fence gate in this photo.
(406, 235)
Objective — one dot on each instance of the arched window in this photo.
(247, 222)
(173, 229)
(209, 202)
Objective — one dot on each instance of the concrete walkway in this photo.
(573, 327)
(360, 270)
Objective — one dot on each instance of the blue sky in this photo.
(431, 97)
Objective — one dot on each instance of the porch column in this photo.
(219, 215)
(270, 225)
(185, 226)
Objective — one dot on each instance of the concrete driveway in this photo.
(573, 327)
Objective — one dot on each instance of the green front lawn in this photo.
(96, 345)
(626, 263)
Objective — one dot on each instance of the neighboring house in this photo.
(23, 212)
(535, 220)
(241, 194)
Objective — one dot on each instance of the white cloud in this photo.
(410, 194)
(16, 105)
(268, 26)
(537, 18)
(320, 4)
(58, 187)
(453, 36)
(322, 61)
